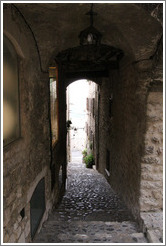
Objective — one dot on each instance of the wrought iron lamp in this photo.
(90, 35)
(91, 56)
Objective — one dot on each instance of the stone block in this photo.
(152, 176)
(160, 129)
(153, 220)
(151, 160)
(19, 192)
(153, 118)
(150, 185)
(7, 185)
(18, 232)
(138, 235)
(159, 151)
(19, 218)
(22, 238)
(7, 214)
(157, 194)
(151, 236)
(27, 229)
(146, 168)
(144, 206)
(146, 193)
(155, 139)
(12, 238)
(9, 199)
(158, 169)
(15, 226)
(149, 150)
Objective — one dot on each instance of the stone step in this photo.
(89, 232)
(97, 215)
(153, 226)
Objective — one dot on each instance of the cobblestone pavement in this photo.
(90, 212)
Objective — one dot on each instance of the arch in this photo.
(89, 61)
(20, 34)
(128, 36)
(82, 103)
(80, 77)
(17, 47)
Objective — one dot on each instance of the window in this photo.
(87, 104)
(11, 125)
(53, 103)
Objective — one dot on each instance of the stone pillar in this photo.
(152, 161)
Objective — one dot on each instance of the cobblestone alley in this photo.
(90, 212)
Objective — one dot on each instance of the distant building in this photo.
(92, 119)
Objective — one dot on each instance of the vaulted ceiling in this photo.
(56, 27)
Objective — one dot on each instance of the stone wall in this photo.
(90, 141)
(27, 159)
(133, 134)
(122, 133)
(152, 161)
(151, 198)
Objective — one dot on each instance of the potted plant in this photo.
(84, 153)
(89, 161)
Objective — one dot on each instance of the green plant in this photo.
(84, 153)
(89, 161)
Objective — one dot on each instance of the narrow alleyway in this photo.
(89, 213)
(76, 156)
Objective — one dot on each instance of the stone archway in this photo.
(89, 60)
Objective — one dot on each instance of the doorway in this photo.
(81, 96)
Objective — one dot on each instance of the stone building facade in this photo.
(128, 129)
(91, 114)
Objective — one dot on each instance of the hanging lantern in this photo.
(90, 35)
